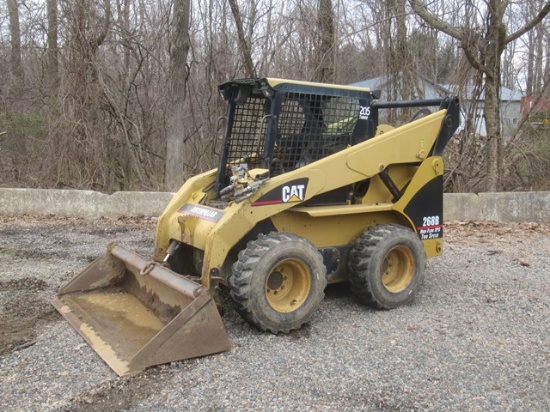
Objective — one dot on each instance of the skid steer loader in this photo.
(312, 187)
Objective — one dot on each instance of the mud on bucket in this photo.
(135, 314)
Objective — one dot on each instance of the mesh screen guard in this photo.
(284, 134)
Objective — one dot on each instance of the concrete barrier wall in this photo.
(81, 203)
(500, 207)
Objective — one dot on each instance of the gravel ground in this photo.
(475, 339)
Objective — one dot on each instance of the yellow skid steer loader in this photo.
(312, 187)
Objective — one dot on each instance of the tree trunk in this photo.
(398, 57)
(179, 50)
(244, 47)
(52, 54)
(494, 139)
(15, 42)
(324, 71)
(539, 72)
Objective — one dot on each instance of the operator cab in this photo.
(282, 125)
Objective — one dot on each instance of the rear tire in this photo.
(387, 264)
(278, 281)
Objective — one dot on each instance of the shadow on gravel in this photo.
(338, 291)
(22, 312)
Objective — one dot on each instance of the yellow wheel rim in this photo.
(398, 269)
(288, 285)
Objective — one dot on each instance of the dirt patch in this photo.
(122, 393)
(23, 309)
(491, 231)
(31, 248)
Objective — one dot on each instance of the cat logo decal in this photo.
(291, 192)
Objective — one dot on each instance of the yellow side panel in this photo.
(328, 231)
(401, 174)
(168, 226)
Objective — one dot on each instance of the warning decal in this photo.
(203, 212)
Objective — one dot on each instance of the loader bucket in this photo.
(137, 314)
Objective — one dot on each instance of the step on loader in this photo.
(313, 186)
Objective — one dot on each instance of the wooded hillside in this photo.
(121, 94)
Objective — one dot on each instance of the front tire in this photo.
(278, 281)
(387, 264)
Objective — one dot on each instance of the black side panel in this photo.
(449, 126)
(337, 196)
(426, 210)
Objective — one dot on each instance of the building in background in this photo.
(471, 107)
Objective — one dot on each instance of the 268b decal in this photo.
(431, 228)
(430, 220)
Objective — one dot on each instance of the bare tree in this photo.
(178, 75)
(15, 42)
(244, 46)
(483, 41)
(136, 96)
(398, 58)
(324, 72)
(52, 53)
(534, 43)
(78, 143)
